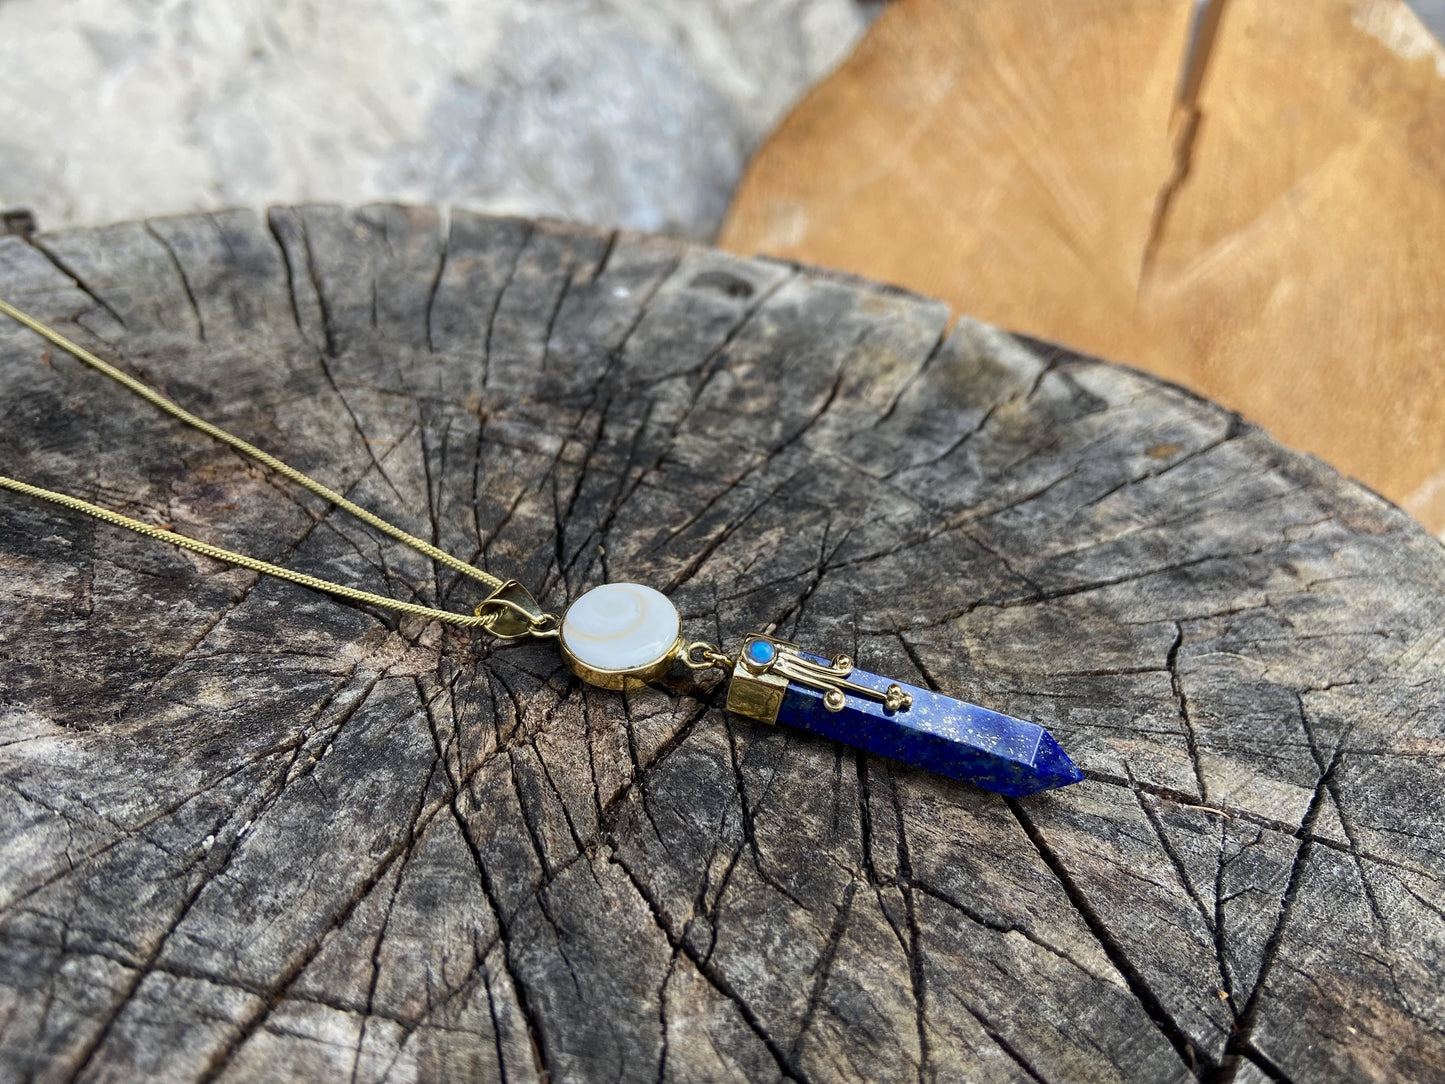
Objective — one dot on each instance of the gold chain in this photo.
(479, 619)
(185, 542)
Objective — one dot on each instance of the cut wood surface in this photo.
(1269, 238)
(249, 832)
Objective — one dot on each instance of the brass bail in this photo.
(512, 611)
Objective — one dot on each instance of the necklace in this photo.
(623, 635)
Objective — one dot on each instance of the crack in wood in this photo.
(1147, 998)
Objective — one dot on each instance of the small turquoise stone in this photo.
(760, 652)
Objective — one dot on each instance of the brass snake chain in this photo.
(155, 398)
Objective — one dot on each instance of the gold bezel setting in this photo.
(765, 666)
(630, 678)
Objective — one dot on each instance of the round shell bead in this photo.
(620, 628)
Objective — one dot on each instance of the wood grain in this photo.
(251, 833)
(1269, 240)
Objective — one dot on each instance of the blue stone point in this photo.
(938, 734)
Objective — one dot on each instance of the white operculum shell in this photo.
(621, 627)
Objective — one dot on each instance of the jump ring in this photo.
(701, 655)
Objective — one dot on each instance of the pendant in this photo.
(622, 635)
(776, 682)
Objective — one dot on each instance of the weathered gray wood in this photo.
(252, 833)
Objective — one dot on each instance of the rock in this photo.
(630, 112)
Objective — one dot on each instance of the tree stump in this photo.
(254, 833)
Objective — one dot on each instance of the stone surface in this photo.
(250, 833)
(638, 113)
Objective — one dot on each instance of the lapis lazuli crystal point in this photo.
(1052, 765)
(939, 734)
